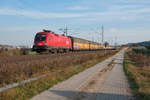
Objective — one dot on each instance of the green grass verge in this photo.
(31, 89)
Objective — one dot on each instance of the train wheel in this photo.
(60, 50)
(55, 51)
(38, 51)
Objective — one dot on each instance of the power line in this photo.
(102, 34)
(115, 41)
(65, 30)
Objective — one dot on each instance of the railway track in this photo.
(11, 59)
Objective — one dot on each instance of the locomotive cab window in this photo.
(40, 37)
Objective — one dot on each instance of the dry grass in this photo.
(26, 91)
(138, 70)
(17, 68)
(139, 59)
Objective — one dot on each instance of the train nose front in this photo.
(40, 45)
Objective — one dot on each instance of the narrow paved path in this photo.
(116, 85)
(94, 83)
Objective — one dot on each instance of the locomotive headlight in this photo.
(46, 43)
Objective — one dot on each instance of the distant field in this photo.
(16, 52)
(137, 68)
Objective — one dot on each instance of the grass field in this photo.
(137, 69)
(70, 64)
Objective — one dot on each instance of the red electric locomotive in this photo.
(52, 42)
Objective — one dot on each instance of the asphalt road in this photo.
(99, 82)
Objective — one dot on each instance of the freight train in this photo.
(52, 42)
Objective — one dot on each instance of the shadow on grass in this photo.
(76, 95)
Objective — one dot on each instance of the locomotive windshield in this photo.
(40, 37)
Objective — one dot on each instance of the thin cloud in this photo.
(79, 8)
(36, 14)
(135, 1)
(114, 10)
(125, 7)
(126, 14)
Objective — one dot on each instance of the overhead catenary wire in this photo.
(102, 34)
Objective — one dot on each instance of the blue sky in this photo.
(128, 20)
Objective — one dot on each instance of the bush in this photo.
(16, 52)
(142, 51)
